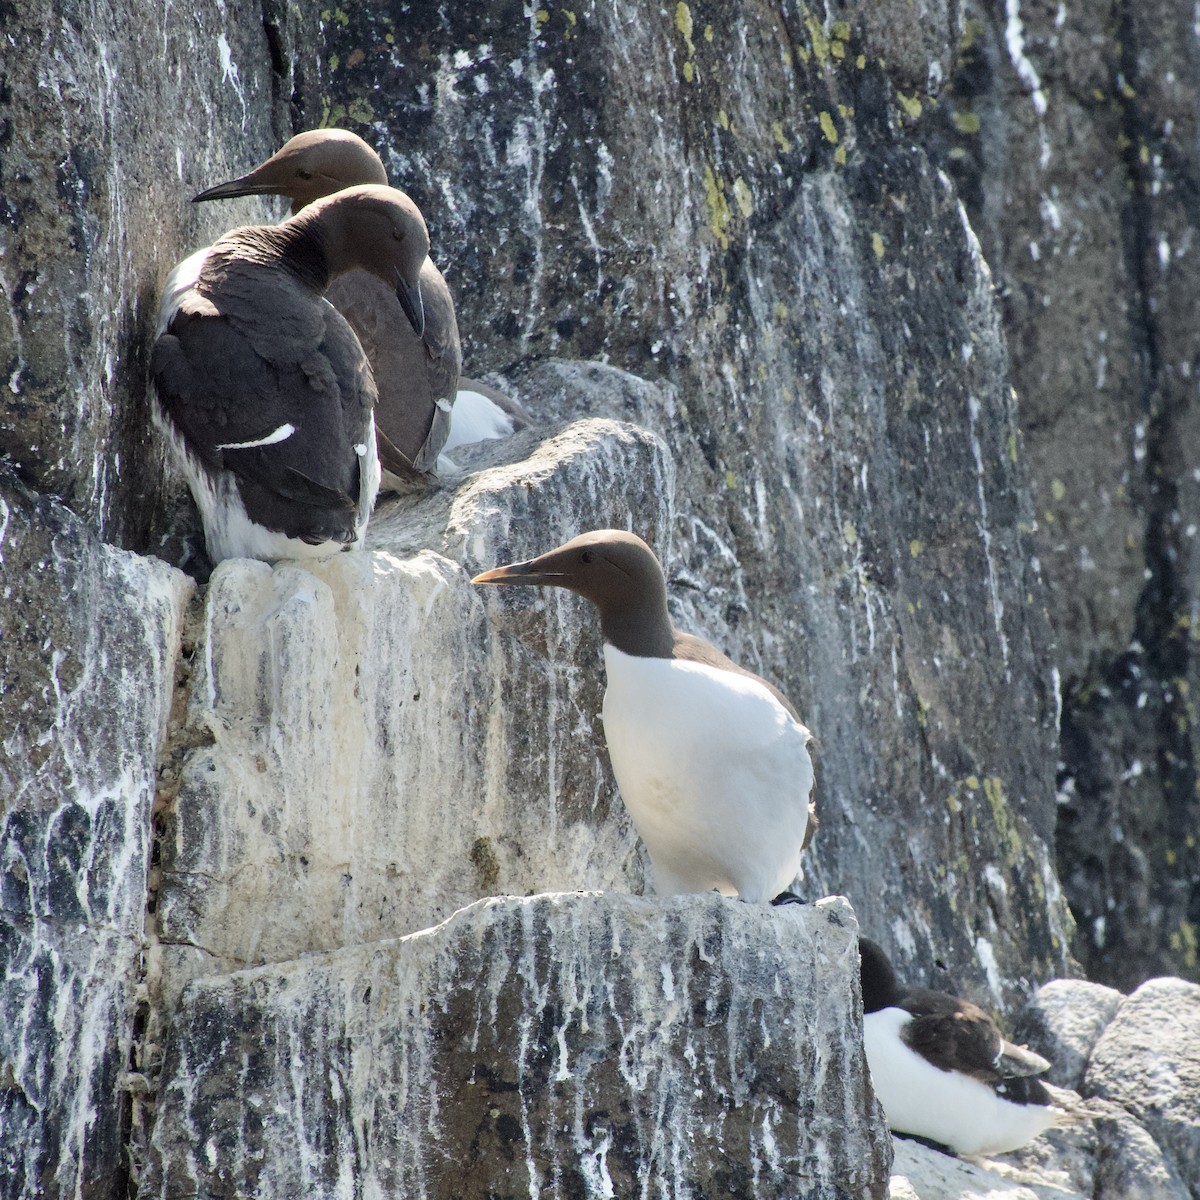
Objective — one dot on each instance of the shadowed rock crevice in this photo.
(1129, 728)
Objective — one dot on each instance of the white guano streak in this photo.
(985, 535)
(1014, 40)
(229, 73)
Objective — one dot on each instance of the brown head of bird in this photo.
(313, 164)
(618, 573)
(378, 229)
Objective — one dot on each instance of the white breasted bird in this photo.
(712, 761)
(261, 387)
(942, 1070)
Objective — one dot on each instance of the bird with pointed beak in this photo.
(262, 389)
(942, 1070)
(711, 760)
(423, 411)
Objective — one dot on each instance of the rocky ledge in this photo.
(567, 1046)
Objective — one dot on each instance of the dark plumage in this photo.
(942, 1069)
(416, 373)
(262, 387)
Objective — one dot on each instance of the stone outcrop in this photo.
(1065, 1018)
(1147, 1062)
(89, 637)
(848, 508)
(580, 1045)
(429, 766)
(1070, 131)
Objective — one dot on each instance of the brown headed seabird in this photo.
(262, 388)
(712, 761)
(416, 374)
(942, 1070)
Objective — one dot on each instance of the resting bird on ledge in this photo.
(942, 1070)
(262, 388)
(712, 761)
(416, 375)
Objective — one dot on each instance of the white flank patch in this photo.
(182, 279)
(281, 434)
(369, 475)
(475, 418)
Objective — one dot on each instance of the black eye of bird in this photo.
(304, 174)
(587, 556)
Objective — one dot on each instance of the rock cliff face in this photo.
(88, 642)
(840, 415)
(716, 255)
(1070, 132)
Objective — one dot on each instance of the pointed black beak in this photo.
(528, 572)
(410, 300)
(244, 186)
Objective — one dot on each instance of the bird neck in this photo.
(641, 627)
(304, 249)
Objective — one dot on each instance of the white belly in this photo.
(953, 1109)
(714, 771)
(474, 418)
(228, 530)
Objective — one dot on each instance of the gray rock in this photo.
(112, 119)
(451, 749)
(1063, 1021)
(1070, 131)
(1148, 1062)
(849, 516)
(833, 366)
(1067, 1153)
(574, 1045)
(925, 1174)
(901, 1188)
(86, 633)
(1129, 1164)
(771, 278)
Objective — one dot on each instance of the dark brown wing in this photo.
(955, 1034)
(221, 391)
(412, 374)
